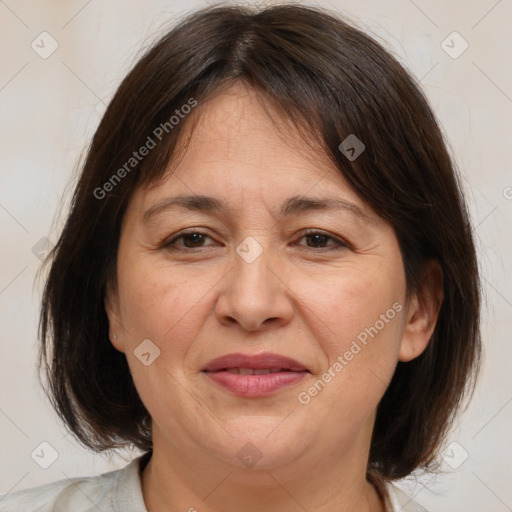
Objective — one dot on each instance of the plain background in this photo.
(51, 106)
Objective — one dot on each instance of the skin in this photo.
(302, 297)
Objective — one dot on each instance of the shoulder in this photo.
(399, 501)
(77, 494)
(113, 491)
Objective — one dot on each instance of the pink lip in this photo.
(257, 361)
(255, 385)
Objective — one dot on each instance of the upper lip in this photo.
(254, 361)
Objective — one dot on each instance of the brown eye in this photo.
(193, 239)
(320, 240)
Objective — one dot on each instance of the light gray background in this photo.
(51, 107)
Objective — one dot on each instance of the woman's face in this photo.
(254, 281)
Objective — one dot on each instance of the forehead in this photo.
(241, 149)
(239, 126)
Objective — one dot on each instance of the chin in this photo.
(261, 443)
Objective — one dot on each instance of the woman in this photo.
(267, 281)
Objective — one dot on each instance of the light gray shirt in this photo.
(120, 491)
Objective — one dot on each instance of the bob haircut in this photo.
(331, 80)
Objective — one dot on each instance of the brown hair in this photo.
(334, 80)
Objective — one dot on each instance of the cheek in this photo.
(357, 320)
(167, 307)
(163, 304)
(345, 303)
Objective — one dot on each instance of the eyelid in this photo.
(340, 242)
(169, 241)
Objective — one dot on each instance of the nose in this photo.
(254, 295)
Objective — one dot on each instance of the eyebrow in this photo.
(291, 206)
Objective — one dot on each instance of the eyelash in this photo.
(170, 245)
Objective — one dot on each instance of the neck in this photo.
(179, 479)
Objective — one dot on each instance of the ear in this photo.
(422, 313)
(112, 310)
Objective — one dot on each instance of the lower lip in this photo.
(255, 385)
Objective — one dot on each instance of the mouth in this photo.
(255, 371)
(255, 375)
